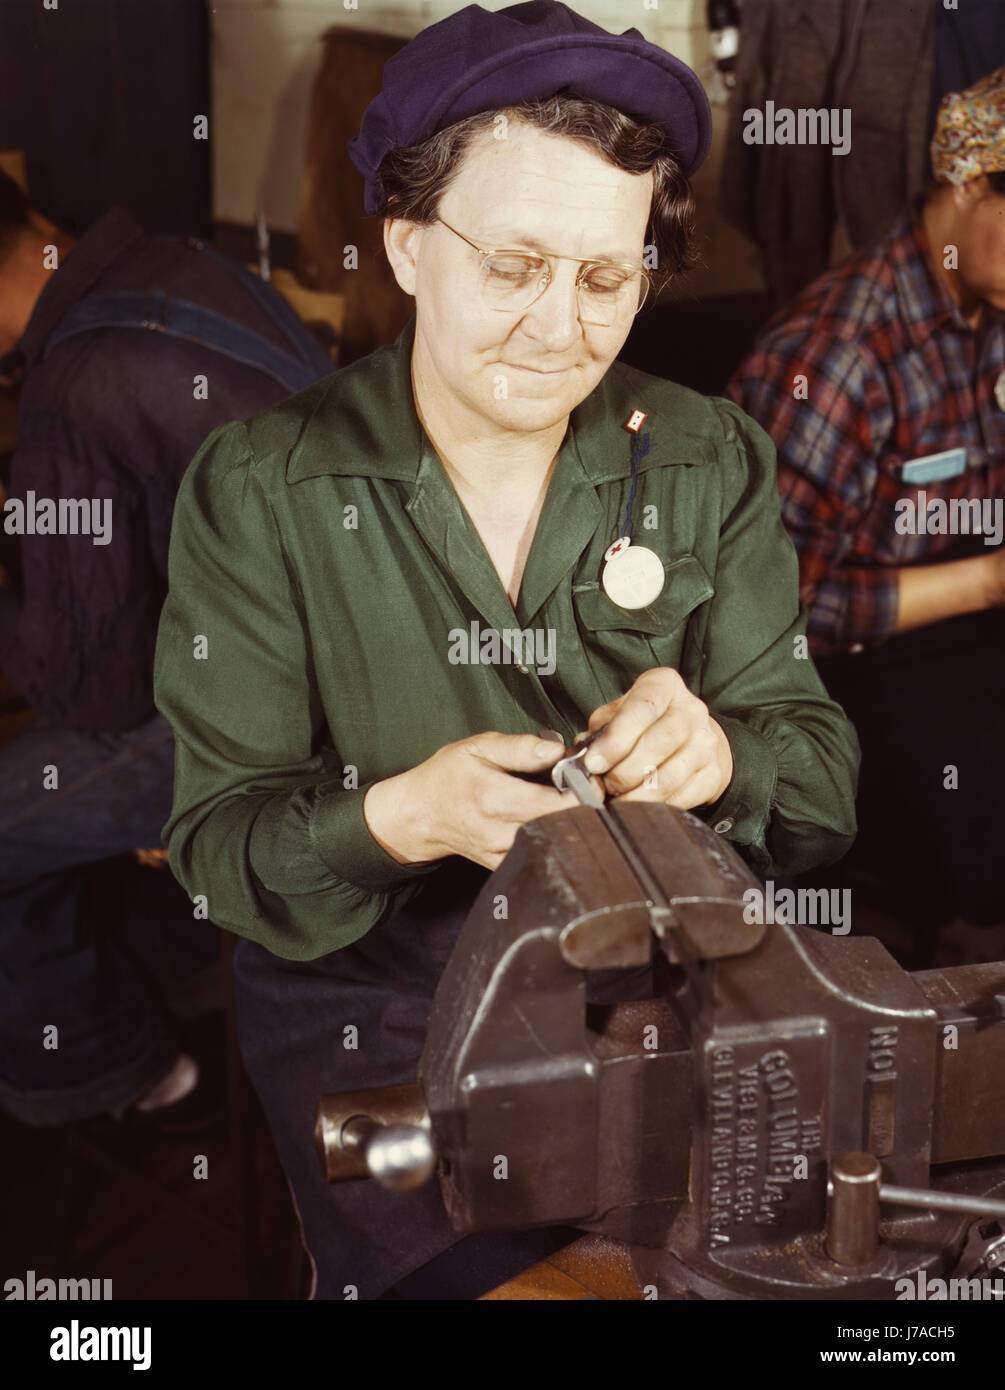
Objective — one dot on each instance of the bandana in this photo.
(969, 135)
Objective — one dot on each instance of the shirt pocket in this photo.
(660, 634)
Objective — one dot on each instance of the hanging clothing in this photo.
(871, 57)
(969, 43)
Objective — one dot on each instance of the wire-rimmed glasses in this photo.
(511, 281)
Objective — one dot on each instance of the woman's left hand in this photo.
(660, 744)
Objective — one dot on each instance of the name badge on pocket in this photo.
(935, 468)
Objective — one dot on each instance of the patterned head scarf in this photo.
(969, 135)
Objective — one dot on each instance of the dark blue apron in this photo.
(292, 1017)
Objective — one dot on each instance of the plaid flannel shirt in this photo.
(872, 367)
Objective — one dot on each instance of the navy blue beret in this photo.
(477, 60)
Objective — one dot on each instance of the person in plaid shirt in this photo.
(883, 388)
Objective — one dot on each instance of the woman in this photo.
(344, 759)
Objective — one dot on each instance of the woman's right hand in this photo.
(465, 799)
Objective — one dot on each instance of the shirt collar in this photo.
(346, 436)
(85, 262)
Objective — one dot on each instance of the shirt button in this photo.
(721, 826)
(523, 670)
(857, 647)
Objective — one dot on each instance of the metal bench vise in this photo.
(790, 1115)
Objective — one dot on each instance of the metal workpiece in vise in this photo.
(789, 1115)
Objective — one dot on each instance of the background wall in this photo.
(264, 56)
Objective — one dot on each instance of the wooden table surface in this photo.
(594, 1267)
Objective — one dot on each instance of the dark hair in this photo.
(14, 209)
(414, 178)
(996, 181)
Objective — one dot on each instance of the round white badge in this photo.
(633, 577)
(1000, 390)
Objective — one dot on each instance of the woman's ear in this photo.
(401, 246)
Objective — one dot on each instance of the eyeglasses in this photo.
(511, 281)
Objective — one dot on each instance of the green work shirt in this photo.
(323, 570)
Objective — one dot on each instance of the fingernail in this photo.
(543, 749)
(594, 762)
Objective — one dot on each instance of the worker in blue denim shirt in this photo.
(110, 415)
